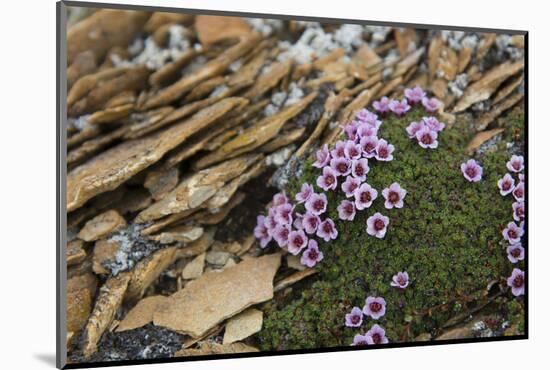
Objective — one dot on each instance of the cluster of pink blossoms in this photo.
(425, 131)
(513, 232)
(413, 96)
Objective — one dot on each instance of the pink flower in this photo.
(323, 157)
(352, 150)
(297, 240)
(376, 335)
(506, 184)
(427, 138)
(519, 211)
(515, 253)
(328, 180)
(283, 214)
(516, 281)
(346, 210)
(399, 107)
(366, 130)
(512, 233)
(382, 105)
(433, 124)
(279, 199)
(341, 166)
(400, 280)
(515, 164)
(471, 171)
(377, 225)
(431, 104)
(349, 186)
(366, 116)
(413, 128)
(521, 177)
(298, 221)
(360, 168)
(414, 95)
(368, 145)
(338, 151)
(310, 222)
(364, 196)
(360, 340)
(375, 307)
(281, 234)
(519, 192)
(305, 193)
(354, 319)
(327, 230)
(260, 231)
(384, 151)
(312, 255)
(351, 130)
(317, 204)
(270, 222)
(394, 196)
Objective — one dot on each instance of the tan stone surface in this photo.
(142, 313)
(104, 250)
(80, 294)
(194, 268)
(101, 226)
(216, 296)
(75, 252)
(208, 348)
(212, 28)
(243, 325)
(182, 234)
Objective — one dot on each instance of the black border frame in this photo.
(61, 215)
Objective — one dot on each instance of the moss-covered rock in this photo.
(447, 236)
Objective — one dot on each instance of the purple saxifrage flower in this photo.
(366, 116)
(400, 280)
(360, 340)
(382, 105)
(310, 222)
(375, 307)
(427, 138)
(360, 168)
(322, 157)
(364, 196)
(433, 123)
(366, 130)
(297, 240)
(515, 253)
(312, 255)
(377, 225)
(338, 151)
(431, 104)
(519, 192)
(519, 211)
(346, 210)
(384, 150)
(328, 180)
(350, 185)
(512, 233)
(399, 107)
(305, 193)
(261, 233)
(506, 184)
(368, 145)
(414, 95)
(413, 128)
(281, 234)
(515, 164)
(327, 230)
(394, 196)
(516, 281)
(279, 199)
(351, 130)
(298, 221)
(270, 222)
(283, 214)
(317, 204)
(471, 171)
(352, 150)
(376, 335)
(354, 319)
(341, 166)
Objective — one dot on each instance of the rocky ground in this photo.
(182, 128)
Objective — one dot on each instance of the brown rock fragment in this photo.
(212, 28)
(75, 252)
(216, 296)
(101, 225)
(212, 348)
(194, 268)
(80, 294)
(104, 250)
(243, 325)
(142, 313)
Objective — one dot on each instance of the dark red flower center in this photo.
(426, 139)
(379, 225)
(516, 166)
(327, 227)
(512, 234)
(355, 319)
(365, 197)
(318, 205)
(342, 167)
(359, 170)
(515, 252)
(518, 192)
(393, 197)
(349, 208)
(376, 338)
(353, 152)
(382, 152)
(401, 280)
(506, 185)
(329, 179)
(361, 343)
(520, 211)
(298, 240)
(284, 233)
(375, 307)
(313, 254)
(369, 147)
(471, 172)
(518, 281)
(312, 222)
